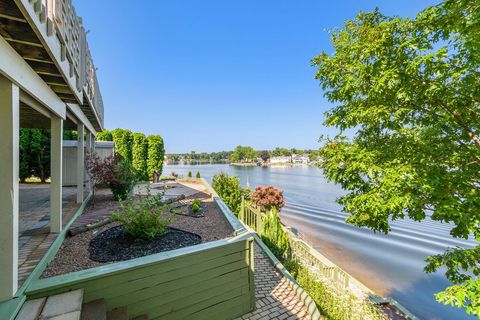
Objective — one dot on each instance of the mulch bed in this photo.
(187, 211)
(115, 244)
(75, 252)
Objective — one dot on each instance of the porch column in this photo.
(9, 160)
(80, 161)
(56, 159)
(88, 143)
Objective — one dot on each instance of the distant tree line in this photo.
(239, 154)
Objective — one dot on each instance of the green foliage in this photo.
(334, 302)
(140, 155)
(197, 175)
(196, 205)
(123, 140)
(156, 153)
(243, 154)
(409, 88)
(229, 189)
(189, 174)
(104, 135)
(273, 235)
(70, 135)
(145, 218)
(34, 147)
(123, 181)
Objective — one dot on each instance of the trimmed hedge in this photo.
(105, 135)
(123, 140)
(140, 155)
(156, 153)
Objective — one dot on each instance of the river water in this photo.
(391, 265)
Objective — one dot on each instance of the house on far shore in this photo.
(281, 160)
(300, 158)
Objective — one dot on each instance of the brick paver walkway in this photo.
(34, 229)
(275, 298)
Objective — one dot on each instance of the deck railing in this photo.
(65, 37)
(316, 262)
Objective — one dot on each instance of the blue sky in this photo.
(210, 75)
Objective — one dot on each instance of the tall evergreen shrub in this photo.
(140, 155)
(105, 135)
(156, 152)
(123, 140)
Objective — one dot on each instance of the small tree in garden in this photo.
(140, 155)
(189, 174)
(100, 171)
(229, 189)
(156, 153)
(268, 198)
(197, 175)
(124, 179)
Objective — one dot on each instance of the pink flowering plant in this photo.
(268, 198)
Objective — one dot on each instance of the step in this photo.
(94, 310)
(118, 314)
(31, 309)
(142, 317)
(64, 306)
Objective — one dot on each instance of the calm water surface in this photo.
(391, 265)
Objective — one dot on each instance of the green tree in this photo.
(189, 174)
(409, 91)
(197, 175)
(104, 135)
(140, 155)
(34, 149)
(229, 189)
(123, 140)
(243, 154)
(156, 153)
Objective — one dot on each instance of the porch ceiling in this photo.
(31, 118)
(15, 29)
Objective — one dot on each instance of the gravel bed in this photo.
(115, 244)
(74, 254)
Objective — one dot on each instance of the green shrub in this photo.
(104, 135)
(196, 205)
(229, 189)
(189, 174)
(274, 236)
(145, 218)
(140, 155)
(123, 140)
(123, 181)
(197, 175)
(156, 152)
(335, 302)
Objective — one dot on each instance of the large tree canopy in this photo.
(409, 89)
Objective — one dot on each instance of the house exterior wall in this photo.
(102, 148)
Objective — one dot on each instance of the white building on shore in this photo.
(300, 159)
(281, 160)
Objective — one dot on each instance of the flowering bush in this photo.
(267, 198)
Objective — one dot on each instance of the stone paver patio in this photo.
(33, 226)
(275, 298)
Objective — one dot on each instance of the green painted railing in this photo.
(316, 262)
